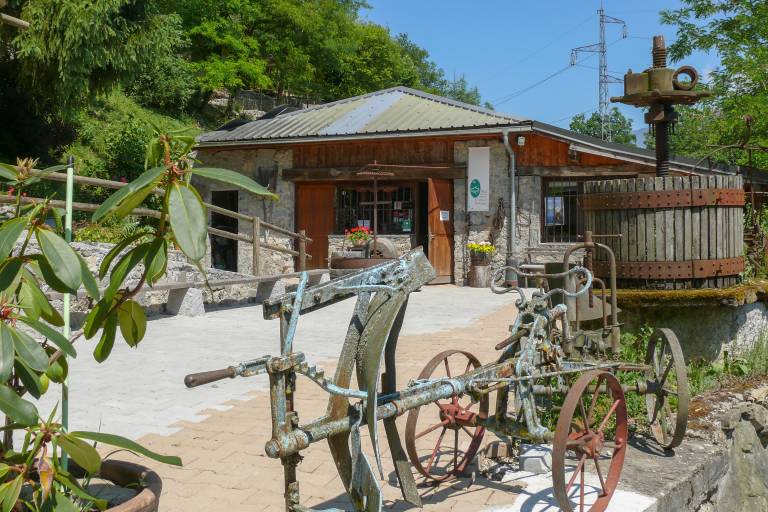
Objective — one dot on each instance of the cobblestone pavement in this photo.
(220, 430)
(140, 391)
(225, 467)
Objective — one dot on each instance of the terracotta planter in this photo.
(357, 263)
(127, 474)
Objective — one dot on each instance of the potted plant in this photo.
(480, 253)
(45, 472)
(358, 239)
(368, 251)
(480, 258)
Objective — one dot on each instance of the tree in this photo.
(737, 32)
(75, 49)
(621, 127)
(316, 48)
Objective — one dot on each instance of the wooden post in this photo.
(302, 250)
(256, 246)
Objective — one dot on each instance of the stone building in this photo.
(424, 150)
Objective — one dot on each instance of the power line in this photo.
(573, 115)
(604, 79)
(554, 40)
(515, 94)
(511, 96)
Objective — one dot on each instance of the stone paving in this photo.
(219, 430)
(224, 462)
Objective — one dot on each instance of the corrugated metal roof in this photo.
(395, 110)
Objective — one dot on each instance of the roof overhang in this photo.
(489, 130)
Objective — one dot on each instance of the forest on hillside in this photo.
(88, 78)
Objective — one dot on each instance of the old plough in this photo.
(553, 383)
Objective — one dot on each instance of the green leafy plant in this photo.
(34, 478)
(358, 235)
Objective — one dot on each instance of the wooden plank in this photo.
(696, 229)
(401, 172)
(678, 234)
(640, 215)
(649, 217)
(720, 235)
(631, 235)
(687, 232)
(659, 233)
(712, 231)
(622, 223)
(669, 229)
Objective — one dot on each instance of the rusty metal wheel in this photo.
(668, 396)
(447, 440)
(591, 436)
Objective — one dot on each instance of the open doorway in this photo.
(224, 250)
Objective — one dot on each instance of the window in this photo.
(395, 208)
(562, 218)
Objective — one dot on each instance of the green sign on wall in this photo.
(474, 187)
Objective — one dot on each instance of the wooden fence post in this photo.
(302, 250)
(256, 246)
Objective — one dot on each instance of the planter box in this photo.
(480, 276)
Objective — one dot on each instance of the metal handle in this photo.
(198, 379)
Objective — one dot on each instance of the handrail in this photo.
(255, 239)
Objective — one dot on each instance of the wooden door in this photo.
(440, 220)
(314, 213)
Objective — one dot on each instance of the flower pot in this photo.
(343, 266)
(480, 258)
(480, 276)
(128, 474)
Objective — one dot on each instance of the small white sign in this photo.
(478, 179)
(445, 215)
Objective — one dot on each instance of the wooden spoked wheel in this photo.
(667, 379)
(440, 438)
(590, 443)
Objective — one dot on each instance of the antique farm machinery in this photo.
(541, 362)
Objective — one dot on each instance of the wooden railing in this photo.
(256, 223)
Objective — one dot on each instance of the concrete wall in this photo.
(280, 213)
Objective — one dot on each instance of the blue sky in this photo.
(506, 46)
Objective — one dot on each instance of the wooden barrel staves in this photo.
(678, 232)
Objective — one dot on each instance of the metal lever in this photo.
(244, 369)
(198, 379)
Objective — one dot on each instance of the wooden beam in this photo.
(630, 170)
(401, 172)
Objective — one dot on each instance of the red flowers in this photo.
(358, 235)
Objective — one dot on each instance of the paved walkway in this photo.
(141, 391)
(220, 430)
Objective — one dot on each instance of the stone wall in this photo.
(478, 226)
(257, 163)
(154, 302)
(705, 330)
(403, 243)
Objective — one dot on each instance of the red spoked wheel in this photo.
(590, 443)
(442, 439)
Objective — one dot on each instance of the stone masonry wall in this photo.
(478, 226)
(153, 302)
(403, 243)
(281, 213)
